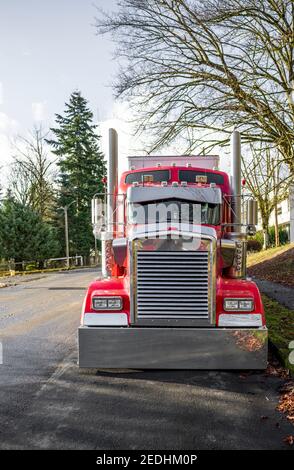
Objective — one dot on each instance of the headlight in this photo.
(239, 305)
(107, 303)
(246, 305)
(99, 303)
(231, 304)
(114, 303)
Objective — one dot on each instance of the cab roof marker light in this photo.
(164, 183)
(184, 183)
(147, 178)
(175, 184)
(189, 165)
(201, 178)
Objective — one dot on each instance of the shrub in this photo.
(254, 245)
(258, 237)
(283, 235)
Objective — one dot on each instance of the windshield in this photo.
(174, 211)
(190, 176)
(156, 176)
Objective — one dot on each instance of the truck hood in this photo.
(170, 229)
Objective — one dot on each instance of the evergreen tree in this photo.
(23, 234)
(76, 142)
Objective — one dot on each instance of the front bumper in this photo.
(173, 348)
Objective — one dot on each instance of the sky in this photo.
(47, 50)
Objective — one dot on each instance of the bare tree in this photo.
(269, 181)
(189, 64)
(32, 173)
(19, 185)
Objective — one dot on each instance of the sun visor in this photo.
(142, 194)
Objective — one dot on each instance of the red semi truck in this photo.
(174, 291)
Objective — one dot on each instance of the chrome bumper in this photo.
(173, 348)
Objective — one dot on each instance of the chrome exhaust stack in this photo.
(252, 216)
(234, 246)
(236, 176)
(112, 180)
(112, 172)
(238, 268)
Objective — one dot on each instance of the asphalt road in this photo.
(47, 403)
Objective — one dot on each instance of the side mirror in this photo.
(98, 216)
(252, 216)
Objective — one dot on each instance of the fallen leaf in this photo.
(276, 371)
(289, 440)
(286, 402)
(278, 268)
(286, 387)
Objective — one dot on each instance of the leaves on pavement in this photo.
(286, 403)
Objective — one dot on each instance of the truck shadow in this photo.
(233, 380)
(221, 379)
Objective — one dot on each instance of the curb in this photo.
(281, 358)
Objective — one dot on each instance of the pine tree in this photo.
(23, 234)
(82, 167)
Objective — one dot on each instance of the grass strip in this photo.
(280, 323)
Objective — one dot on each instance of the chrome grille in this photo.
(172, 284)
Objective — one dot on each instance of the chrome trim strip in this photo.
(132, 267)
(105, 319)
(239, 320)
